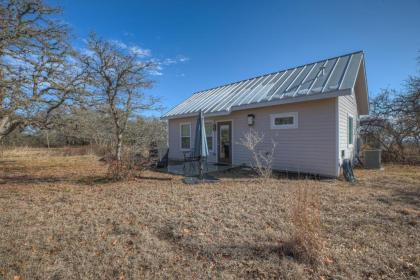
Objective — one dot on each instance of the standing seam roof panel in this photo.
(320, 77)
(319, 83)
(280, 88)
(276, 82)
(220, 96)
(352, 70)
(201, 97)
(337, 74)
(227, 95)
(183, 105)
(227, 104)
(254, 91)
(209, 95)
(265, 89)
(310, 80)
(243, 85)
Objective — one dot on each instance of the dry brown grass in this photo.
(305, 244)
(60, 219)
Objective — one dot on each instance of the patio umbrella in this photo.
(201, 149)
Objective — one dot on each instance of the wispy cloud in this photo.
(177, 59)
(163, 63)
(183, 58)
(140, 51)
(87, 52)
(132, 48)
(119, 44)
(128, 34)
(156, 70)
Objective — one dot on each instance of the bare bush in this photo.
(262, 160)
(130, 165)
(305, 243)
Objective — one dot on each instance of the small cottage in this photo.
(310, 111)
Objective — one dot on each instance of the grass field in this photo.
(61, 219)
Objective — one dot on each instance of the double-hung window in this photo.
(185, 136)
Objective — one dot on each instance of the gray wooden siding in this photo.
(309, 148)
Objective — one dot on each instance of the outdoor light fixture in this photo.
(251, 119)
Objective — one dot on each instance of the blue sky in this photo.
(208, 43)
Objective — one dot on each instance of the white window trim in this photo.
(180, 136)
(347, 132)
(284, 115)
(212, 133)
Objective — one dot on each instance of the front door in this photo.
(224, 142)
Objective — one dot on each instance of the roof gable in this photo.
(307, 82)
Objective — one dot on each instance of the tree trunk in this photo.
(119, 146)
(7, 126)
(48, 140)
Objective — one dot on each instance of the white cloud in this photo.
(128, 34)
(160, 64)
(183, 58)
(140, 51)
(169, 61)
(87, 52)
(132, 48)
(177, 59)
(156, 70)
(155, 73)
(119, 44)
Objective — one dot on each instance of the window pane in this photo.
(185, 142)
(185, 130)
(209, 134)
(350, 126)
(209, 129)
(283, 121)
(210, 142)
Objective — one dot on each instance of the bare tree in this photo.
(262, 160)
(116, 80)
(38, 73)
(394, 122)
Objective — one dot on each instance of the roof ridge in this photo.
(279, 71)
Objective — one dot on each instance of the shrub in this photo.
(262, 160)
(130, 165)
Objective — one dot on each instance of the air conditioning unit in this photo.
(372, 159)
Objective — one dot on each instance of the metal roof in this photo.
(307, 82)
